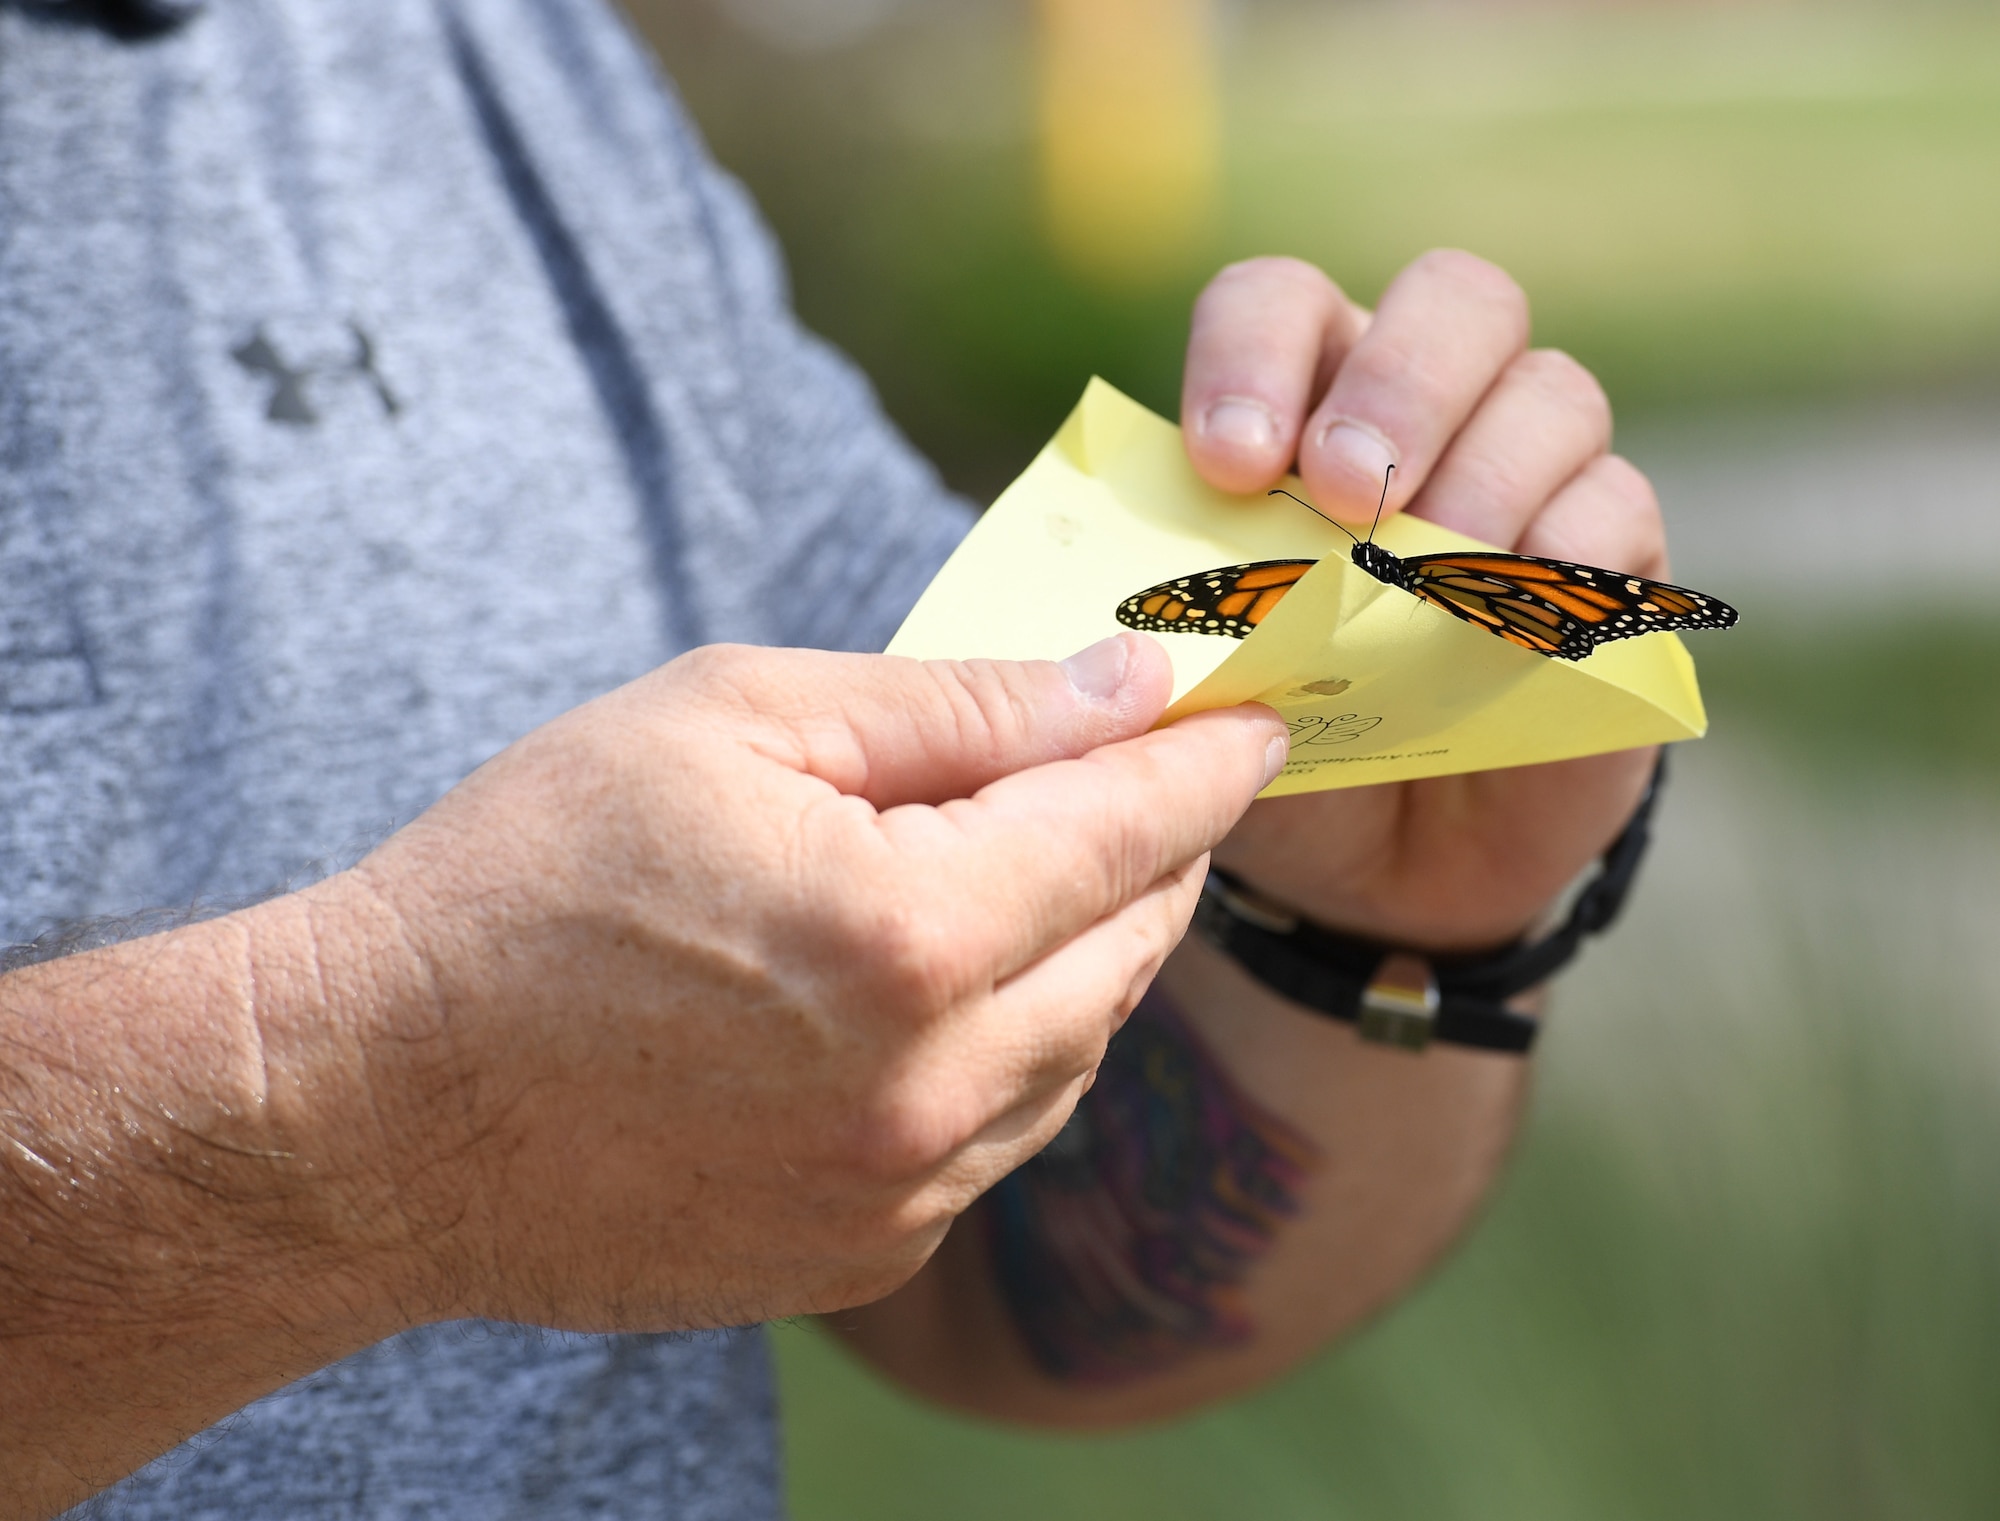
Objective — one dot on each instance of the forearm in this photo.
(1340, 1170)
(178, 1236)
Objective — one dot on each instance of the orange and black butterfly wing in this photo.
(1231, 600)
(1555, 607)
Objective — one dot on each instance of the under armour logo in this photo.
(292, 384)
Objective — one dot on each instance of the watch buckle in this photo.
(1399, 1007)
(1252, 907)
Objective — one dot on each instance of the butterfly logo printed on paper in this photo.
(1553, 607)
(1341, 729)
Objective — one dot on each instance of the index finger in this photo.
(1035, 858)
(1445, 330)
(1265, 338)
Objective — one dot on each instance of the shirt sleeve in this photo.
(864, 518)
(787, 507)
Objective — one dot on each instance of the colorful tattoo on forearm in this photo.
(1123, 1247)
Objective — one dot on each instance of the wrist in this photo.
(180, 1225)
(367, 1097)
(1408, 996)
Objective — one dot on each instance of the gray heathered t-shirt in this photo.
(378, 379)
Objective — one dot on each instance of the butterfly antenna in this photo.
(1280, 491)
(1378, 504)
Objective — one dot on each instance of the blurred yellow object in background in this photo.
(1130, 129)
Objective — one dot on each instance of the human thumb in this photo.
(893, 730)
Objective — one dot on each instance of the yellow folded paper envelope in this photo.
(1375, 684)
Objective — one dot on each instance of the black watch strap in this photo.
(1402, 998)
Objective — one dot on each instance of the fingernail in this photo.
(1276, 753)
(1357, 447)
(1097, 672)
(1241, 422)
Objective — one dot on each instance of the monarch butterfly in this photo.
(1552, 607)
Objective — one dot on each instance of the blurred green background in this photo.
(1748, 1262)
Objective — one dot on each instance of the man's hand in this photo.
(1499, 441)
(716, 999)
(1387, 1154)
(761, 969)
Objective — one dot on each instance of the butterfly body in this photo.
(1553, 607)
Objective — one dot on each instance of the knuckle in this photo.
(1126, 831)
(909, 958)
(1153, 923)
(1613, 519)
(713, 661)
(1484, 279)
(874, 1251)
(1645, 529)
(906, 1133)
(1280, 270)
(1625, 481)
(1273, 299)
(991, 705)
(731, 675)
(1395, 380)
(878, 1280)
(1568, 383)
